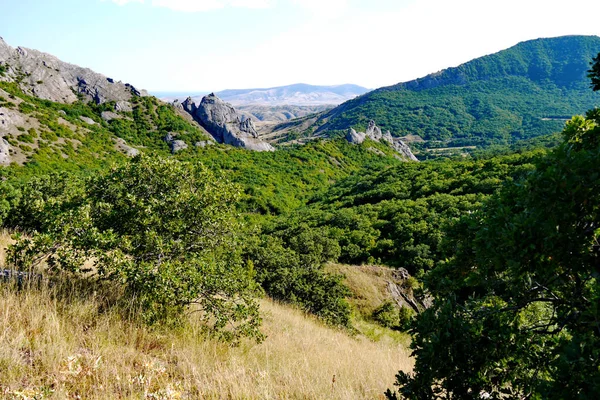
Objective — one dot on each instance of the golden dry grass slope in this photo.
(61, 349)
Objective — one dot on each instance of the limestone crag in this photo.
(175, 144)
(374, 133)
(224, 123)
(45, 76)
(4, 152)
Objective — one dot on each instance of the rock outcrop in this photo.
(175, 144)
(374, 133)
(45, 76)
(224, 123)
(122, 146)
(4, 152)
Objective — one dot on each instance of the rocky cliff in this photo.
(224, 123)
(374, 133)
(45, 76)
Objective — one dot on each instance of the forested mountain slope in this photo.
(525, 91)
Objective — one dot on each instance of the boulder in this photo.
(109, 116)
(355, 137)
(87, 120)
(122, 145)
(224, 123)
(175, 144)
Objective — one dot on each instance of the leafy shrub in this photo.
(386, 315)
(163, 229)
(26, 108)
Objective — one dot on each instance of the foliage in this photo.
(516, 311)
(594, 73)
(398, 216)
(166, 230)
(387, 315)
(289, 267)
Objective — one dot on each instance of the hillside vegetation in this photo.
(526, 91)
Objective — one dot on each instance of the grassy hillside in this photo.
(56, 345)
(525, 91)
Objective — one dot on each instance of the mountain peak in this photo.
(45, 76)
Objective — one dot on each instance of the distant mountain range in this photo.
(299, 94)
(525, 91)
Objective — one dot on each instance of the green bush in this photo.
(387, 315)
(165, 230)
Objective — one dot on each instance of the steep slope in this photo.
(525, 91)
(46, 77)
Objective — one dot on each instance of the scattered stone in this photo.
(204, 143)
(175, 144)
(109, 116)
(122, 146)
(87, 120)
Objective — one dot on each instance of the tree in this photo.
(166, 230)
(516, 311)
(594, 73)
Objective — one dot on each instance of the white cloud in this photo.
(201, 5)
(323, 8)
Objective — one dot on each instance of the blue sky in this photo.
(206, 45)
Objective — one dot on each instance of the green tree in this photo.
(594, 73)
(516, 310)
(166, 230)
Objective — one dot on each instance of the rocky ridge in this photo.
(224, 123)
(45, 76)
(374, 133)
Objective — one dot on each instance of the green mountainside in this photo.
(523, 92)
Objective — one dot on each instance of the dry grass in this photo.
(5, 240)
(368, 284)
(64, 349)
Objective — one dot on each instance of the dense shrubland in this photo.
(515, 312)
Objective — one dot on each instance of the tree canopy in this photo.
(515, 311)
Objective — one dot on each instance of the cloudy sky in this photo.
(206, 45)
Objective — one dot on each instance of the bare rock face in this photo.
(225, 124)
(45, 76)
(355, 137)
(4, 152)
(374, 133)
(122, 146)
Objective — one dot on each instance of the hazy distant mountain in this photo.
(299, 95)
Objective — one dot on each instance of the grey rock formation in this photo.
(122, 145)
(4, 152)
(87, 120)
(123, 106)
(109, 116)
(374, 133)
(189, 106)
(355, 137)
(10, 118)
(175, 144)
(204, 143)
(225, 124)
(45, 76)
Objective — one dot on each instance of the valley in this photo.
(431, 237)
